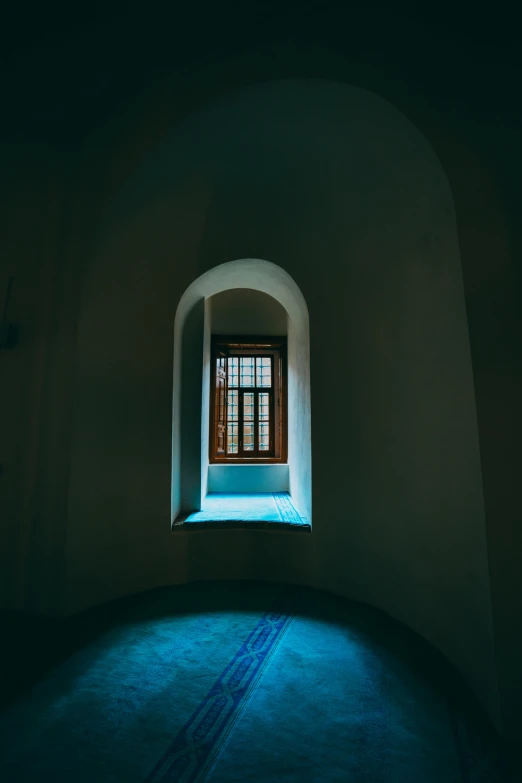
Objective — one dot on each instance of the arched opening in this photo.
(191, 383)
(341, 190)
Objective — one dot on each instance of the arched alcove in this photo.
(399, 503)
(189, 464)
(342, 192)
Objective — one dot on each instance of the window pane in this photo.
(264, 422)
(264, 372)
(246, 370)
(232, 421)
(221, 403)
(248, 422)
(233, 405)
(233, 371)
(232, 438)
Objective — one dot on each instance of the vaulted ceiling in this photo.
(65, 67)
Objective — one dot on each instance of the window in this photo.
(248, 400)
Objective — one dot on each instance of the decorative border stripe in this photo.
(286, 510)
(195, 748)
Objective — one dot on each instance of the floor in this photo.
(268, 509)
(248, 681)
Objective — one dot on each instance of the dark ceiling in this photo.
(66, 66)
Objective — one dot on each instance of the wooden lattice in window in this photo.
(248, 412)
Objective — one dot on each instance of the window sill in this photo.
(247, 461)
(246, 511)
(181, 525)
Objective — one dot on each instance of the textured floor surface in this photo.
(245, 682)
(267, 507)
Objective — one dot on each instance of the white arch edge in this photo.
(273, 280)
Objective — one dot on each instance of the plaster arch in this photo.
(271, 279)
(341, 190)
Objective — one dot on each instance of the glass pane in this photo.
(248, 406)
(233, 371)
(232, 438)
(233, 405)
(232, 421)
(264, 372)
(248, 422)
(246, 370)
(221, 403)
(264, 422)
(231, 445)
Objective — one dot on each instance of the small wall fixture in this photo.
(8, 331)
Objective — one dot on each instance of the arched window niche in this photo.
(192, 382)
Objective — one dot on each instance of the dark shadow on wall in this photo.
(191, 401)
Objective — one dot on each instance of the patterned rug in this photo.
(265, 508)
(193, 752)
(248, 683)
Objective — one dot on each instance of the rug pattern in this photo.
(287, 511)
(269, 509)
(129, 701)
(194, 750)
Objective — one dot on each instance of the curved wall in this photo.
(339, 189)
(246, 311)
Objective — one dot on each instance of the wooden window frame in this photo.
(248, 345)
